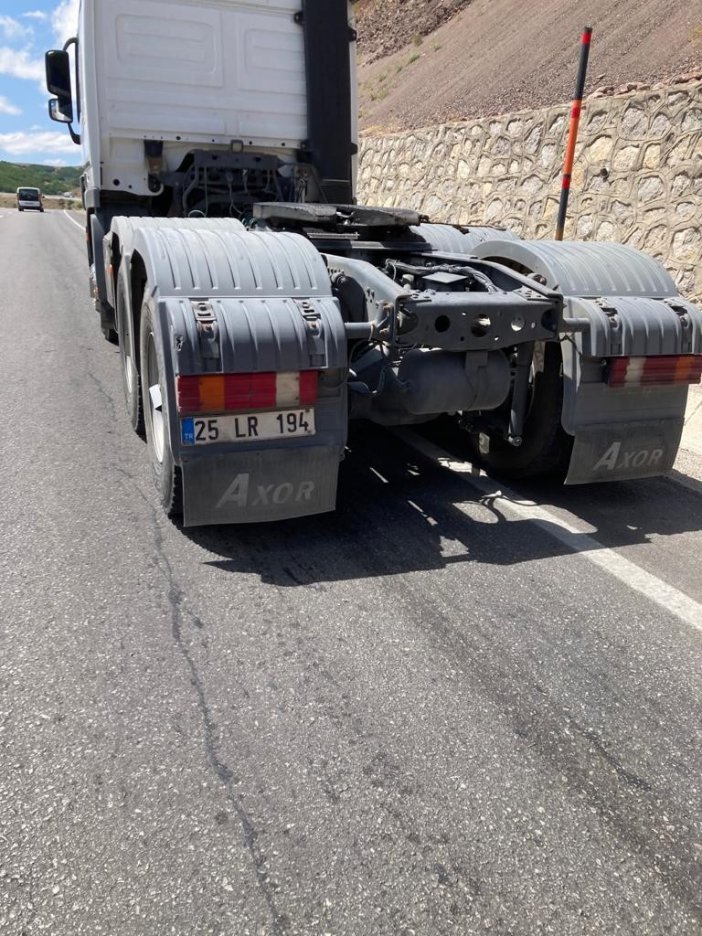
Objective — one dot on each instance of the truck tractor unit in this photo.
(258, 307)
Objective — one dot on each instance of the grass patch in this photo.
(379, 95)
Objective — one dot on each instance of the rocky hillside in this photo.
(385, 26)
(423, 62)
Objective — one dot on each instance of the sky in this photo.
(27, 29)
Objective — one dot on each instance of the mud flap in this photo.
(622, 452)
(255, 486)
(628, 431)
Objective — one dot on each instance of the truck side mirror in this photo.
(58, 72)
(59, 114)
(58, 82)
(58, 79)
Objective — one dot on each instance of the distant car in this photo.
(30, 198)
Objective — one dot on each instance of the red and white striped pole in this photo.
(573, 131)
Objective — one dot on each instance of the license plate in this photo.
(245, 427)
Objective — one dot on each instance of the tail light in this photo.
(223, 393)
(655, 371)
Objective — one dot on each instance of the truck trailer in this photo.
(258, 307)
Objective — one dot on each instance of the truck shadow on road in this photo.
(398, 513)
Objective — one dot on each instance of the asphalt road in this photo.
(441, 710)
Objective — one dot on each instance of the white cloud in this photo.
(64, 20)
(36, 14)
(7, 107)
(12, 29)
(23, 144)
(19, 64)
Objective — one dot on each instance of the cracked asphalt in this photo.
(418, 715)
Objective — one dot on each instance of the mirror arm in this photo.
(68, 123)
(73, 41)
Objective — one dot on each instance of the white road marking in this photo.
(378, 475)
(653, 588)
(73, 220)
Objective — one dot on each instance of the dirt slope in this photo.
(495, 56)
(388, 25)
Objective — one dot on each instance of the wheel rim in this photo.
(125, 342)
(158, 423)
(129, 369)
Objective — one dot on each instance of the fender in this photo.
(618, 302)
(203, 257)
(225, 300)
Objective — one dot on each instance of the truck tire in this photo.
(546, 447)
(167, 474)
(96, 232)
(106, 321)
(131, 381)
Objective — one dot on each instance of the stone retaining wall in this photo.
(637, 176)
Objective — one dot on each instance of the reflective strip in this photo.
(287, 389)
(634, 372)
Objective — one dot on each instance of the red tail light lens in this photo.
(655, 371)
(221, 393)
(309, 384)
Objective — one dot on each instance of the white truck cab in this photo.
(197, 109)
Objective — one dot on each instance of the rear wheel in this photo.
(103, 308)
(546, 447)
(107, 321)
(167, 475)
(131, 382)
